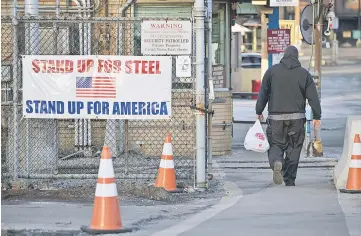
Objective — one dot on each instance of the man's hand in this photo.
(317, 124)
(260, 118)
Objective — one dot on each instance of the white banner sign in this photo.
(166, 38)
(283, 3)
(101, 87)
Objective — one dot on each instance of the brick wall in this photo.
(222, 135)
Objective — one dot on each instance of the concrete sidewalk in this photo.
(312, 207)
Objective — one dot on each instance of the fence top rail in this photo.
(77, 19)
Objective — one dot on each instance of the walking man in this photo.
(285, 87)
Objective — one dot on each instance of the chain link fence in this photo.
(70, 149)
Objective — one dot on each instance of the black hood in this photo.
(290, 57)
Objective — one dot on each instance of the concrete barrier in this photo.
(340, 173)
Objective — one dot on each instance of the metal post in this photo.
(318, 56)
(56, 27)
(228, 48)
(264, 62)
(273, 23)
(318, 49)
(15, 91)
(88, 121)
(200, 115)
(31, 48)
(210, 80)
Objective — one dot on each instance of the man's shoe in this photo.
(290, 184)
(277, 173)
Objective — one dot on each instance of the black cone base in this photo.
(88, 230)
(349, 191)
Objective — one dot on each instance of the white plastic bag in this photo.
(256, 140)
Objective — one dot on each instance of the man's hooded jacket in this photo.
(286, 86)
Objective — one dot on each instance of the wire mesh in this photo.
(68, 148)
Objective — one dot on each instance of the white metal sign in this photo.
(283, 3)
(166, 38)
(276, 58)
(101, 87)
(183, 66)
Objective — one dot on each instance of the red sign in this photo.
(278, 40)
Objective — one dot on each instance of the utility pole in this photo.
(199, 15)
(318, 48)
(318, 56)
(264, 62)
(297, 26)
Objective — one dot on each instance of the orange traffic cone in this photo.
(106, 212)
(354, 175)
(166, 173)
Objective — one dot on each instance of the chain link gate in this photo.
(70, 149)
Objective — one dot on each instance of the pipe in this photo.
(88, 52)
(31, 48)
(122, 176)
(42, 7)
(15, 93)
(210, 80)
(92, 20)
(200, 93)
(228, 48)
(77, 139)
(125, 7)
(61, 11)
(56, 26)
(122, 11)
(123, 125)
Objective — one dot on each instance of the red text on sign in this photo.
(52, 66)
(142, 67)
(109, 66)
(85, 65)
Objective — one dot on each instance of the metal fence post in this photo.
(200, 93)
(15, 91)
(210, 80)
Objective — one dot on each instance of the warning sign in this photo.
(166, 37)
(277, 40)
(291, 25)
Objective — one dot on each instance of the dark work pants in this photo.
(286, 137)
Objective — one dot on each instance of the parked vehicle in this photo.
(250, 60)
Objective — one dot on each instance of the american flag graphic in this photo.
(96, 87)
